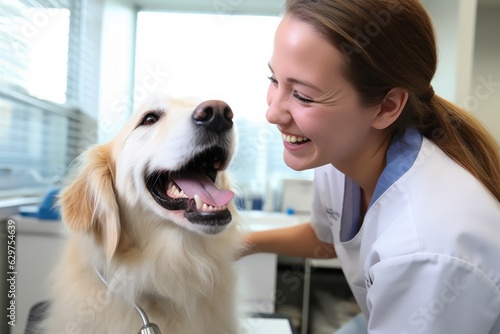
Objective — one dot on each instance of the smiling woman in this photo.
(224, 57)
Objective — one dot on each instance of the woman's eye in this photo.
(272, 79)
(149, 119)
(302, 99)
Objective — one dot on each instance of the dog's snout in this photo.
(214, 115)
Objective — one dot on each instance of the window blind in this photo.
(48, 57)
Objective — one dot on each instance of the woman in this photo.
(407, 185)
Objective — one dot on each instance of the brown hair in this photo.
(391, 43)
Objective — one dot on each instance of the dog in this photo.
(152, 228)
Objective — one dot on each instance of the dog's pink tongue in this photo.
(193, 183)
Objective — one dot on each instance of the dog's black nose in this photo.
(214, 115)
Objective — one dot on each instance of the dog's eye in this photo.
(149, 119)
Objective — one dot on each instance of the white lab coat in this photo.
(427, 256)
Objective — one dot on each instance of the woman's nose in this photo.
(277, 112)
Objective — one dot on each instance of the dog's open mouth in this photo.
(192, 189)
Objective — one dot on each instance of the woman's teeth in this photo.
(293, 139)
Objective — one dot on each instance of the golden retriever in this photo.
(151, 212)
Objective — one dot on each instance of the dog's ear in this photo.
(88, 204)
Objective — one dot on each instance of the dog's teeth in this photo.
(217, 164)
(199, 202)
(171, 189)
(201, 206)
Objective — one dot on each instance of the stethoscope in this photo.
(147, 327)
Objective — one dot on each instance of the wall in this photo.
(117, 63)
(484, 101)
(469, 56)
(454, 21)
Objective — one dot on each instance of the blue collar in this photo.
(400, 157)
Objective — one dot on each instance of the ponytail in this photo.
(464, 139)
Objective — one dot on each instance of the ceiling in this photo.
(235, 6)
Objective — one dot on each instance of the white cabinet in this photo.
(38, 248)
(258, 271)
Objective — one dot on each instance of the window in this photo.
(42, 72)
(215, 56)
(35, 48)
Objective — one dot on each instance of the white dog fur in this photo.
(179, 272)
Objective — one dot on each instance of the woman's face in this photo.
(317, 111)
